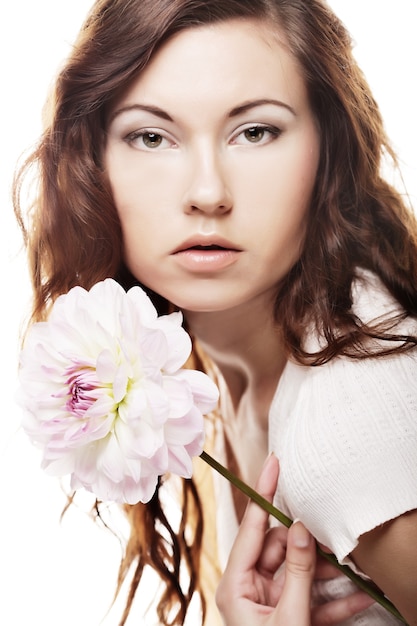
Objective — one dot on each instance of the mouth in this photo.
(212, 246)
(204, 256)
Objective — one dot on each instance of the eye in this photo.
(152, 140)
(148, 140)
(257, 134)
(254, 134)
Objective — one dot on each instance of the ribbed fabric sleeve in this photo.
(346, 436)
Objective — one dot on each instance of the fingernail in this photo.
(301, 536)
(267, 460)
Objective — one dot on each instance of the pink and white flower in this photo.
(105, 394)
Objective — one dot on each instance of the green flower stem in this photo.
(366, 586)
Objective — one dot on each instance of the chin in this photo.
(204, 298)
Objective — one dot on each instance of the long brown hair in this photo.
(356, 218)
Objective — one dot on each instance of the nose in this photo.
(207, 191)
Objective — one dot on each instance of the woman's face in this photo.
(212, 156)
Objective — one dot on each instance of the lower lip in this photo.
(206, 260)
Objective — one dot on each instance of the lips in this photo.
(206, 244)
(206, 256)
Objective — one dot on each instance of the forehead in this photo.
(224, 62)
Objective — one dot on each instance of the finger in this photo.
(326, 570)
(338, 611)
(273, 551)
(324, 548)
(295, 602)
(250, 538)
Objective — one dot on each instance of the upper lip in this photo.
(206, 241)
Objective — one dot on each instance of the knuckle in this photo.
(300, 569)
(322, 618)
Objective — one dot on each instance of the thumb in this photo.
(300, 562)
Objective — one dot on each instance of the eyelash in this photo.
(140, 134)
(273, 131)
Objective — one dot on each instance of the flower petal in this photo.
(104, 395)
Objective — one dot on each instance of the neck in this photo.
(247, 348)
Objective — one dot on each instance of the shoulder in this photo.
(370, 297)
(374, 306)
(369, 390)
(372, 392)
(346, 433)
(346, 436)
(371, 300)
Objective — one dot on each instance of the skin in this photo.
(388, 555)
(216, 179)
(251, 593)
(216, 144)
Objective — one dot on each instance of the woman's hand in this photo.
(252, 593)
(249, 592)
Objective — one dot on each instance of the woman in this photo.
(226, 156)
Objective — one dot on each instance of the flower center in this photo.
(83, 387)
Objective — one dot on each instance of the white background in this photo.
(61, 574)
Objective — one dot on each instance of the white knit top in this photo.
(346, 437)
(345, 434)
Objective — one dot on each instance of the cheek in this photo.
(129, 193)
(146, 196)
(297, 182)
(281, 192)
(138, 223)
(140, 254)
(284, 174)
(283, 201)
(138, 202)
(143, 239)
(130, 178)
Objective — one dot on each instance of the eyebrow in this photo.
(154, 110)
(242, 108)
(246, 106)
